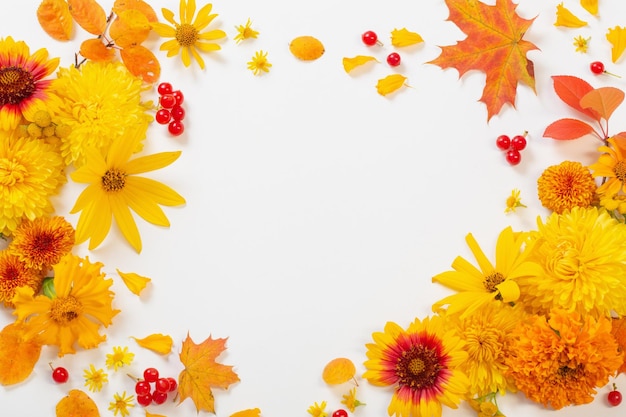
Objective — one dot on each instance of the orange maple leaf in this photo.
(494, 45)
(202, 372)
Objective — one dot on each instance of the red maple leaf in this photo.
(494, 45)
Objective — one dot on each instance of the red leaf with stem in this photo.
(568, 129)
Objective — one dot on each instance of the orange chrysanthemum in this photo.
(561, 360)
(42, 242)
(13, 274)
(567, 185)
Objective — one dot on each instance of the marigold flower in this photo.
(121, 403)
(14, 274)
(22, 80)
(259, 63)
(82, 304)
(245, 32)
(513, 201)
(318, 410)
(187, 35)
(611, 165)
(581, 44)
(119, 358)
(565, 18)
(566, 185)
(560, 359)
(422, 363)
(42, 242)
(95, 378)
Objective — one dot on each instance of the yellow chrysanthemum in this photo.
(98, 103)
(582, 254)
(95, 378)
(14, 274)
(119, 358)
(22, 80)
(188, 35)
(566, 185)
(115, 189)
(31, 171)
(245, 32)
(259, 63)
(81, 305)
(422, 363)
(121, 403)
(42, 242)
(561, 360)
(611, 165)
(477, 287)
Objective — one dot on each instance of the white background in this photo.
(318, 210)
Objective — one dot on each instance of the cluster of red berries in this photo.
(162, 387)
(370, 38)
(171, 111)
(614, 397)
(513, 147)
(59, 374)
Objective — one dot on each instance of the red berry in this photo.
(340, 413)
(369, 38)
(159, 397)
(168, 101)
(597, 67)
(393, 59)
(518, 142)
(163, 116)
(178, 113)
(513, 157)
(162, 385)
(173, 383)
(178, 95)
(144, 399)
(503, 142)
(176, 127)
(164, 88)
(142, 388)
(151, 374)
(60, 375)
(614, 397)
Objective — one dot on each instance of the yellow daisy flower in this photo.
(115, 188)
(566, 185)
(119, 358)
(245, 32)
(22, 80)
(95, 378)
(513, 201)
(611, 165)
(259, 63)
(421, 363)
(98, 103)
(14, 274)
(188, 35)
(318, 410)
(121, 403)
(82, 304)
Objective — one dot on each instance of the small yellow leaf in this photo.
(18, 355)
(130, 27)
(351, 63)
(404, 37)
(89, 15)
(251, 412)
(55, 19)
(141, 62)
(157, 342)
(617, 37)
(77, 403)
(135, 282)
(567, 19)
(390, 83)
(590, 5)
(338, 371)
(306, 48)
(94, 50)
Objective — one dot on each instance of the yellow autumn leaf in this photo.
(135, 282)
(306, 48)
(55, 19)
(617, 37)
(18, 355)
(77, 403)
(130, 27)
(95, 50)
(351, 63)
(338, 371)
(120, 5)
(390, 83)
(567, 19)
(590, 5)
(157, 342)
(403, 37)
(251, 412)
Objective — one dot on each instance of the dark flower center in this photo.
(491, 281)
(418, 367)
(620, 171)
(186, 34)
(113, 180)
(65, 309)
(16, 84)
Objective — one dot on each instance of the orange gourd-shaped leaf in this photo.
(89, 15)
(120, 5)
(130, 27)
(571, 89)
(338, 371)
(390, 83)
(77, 403)
(567, 129)
(141, 62)
(494, 45)
(202, 372)
(18, 355)
(603, 100)
(55, 19)
(94, 50)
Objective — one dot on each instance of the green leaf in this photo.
(48, 287)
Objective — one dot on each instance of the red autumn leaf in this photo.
(89, 15)
(603, 100)
(202, 372)
(494, 45)
(567, 129)
(571, 89)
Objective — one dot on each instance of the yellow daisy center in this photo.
(11, 172)
(113, 180)
(418, 367)
(491, 281)
(620, 171)
(16, 84)
(186, 34)
(65, 309)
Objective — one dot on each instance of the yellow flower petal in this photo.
(351, 63)
(403, 37)
(390, 83)
(251, 412)
(509, 290)
(567, 19)
(617, 37)
(157, 342)
(135, 283)
(590, 5)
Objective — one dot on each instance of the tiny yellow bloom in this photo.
(318, 410)
(121, 403)
(135, 282)
(259, 63)
(94, 378)
(566, 18)
(119, 358)
(350, 401)
(513, 201)
(245, 32)
(581, 44)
